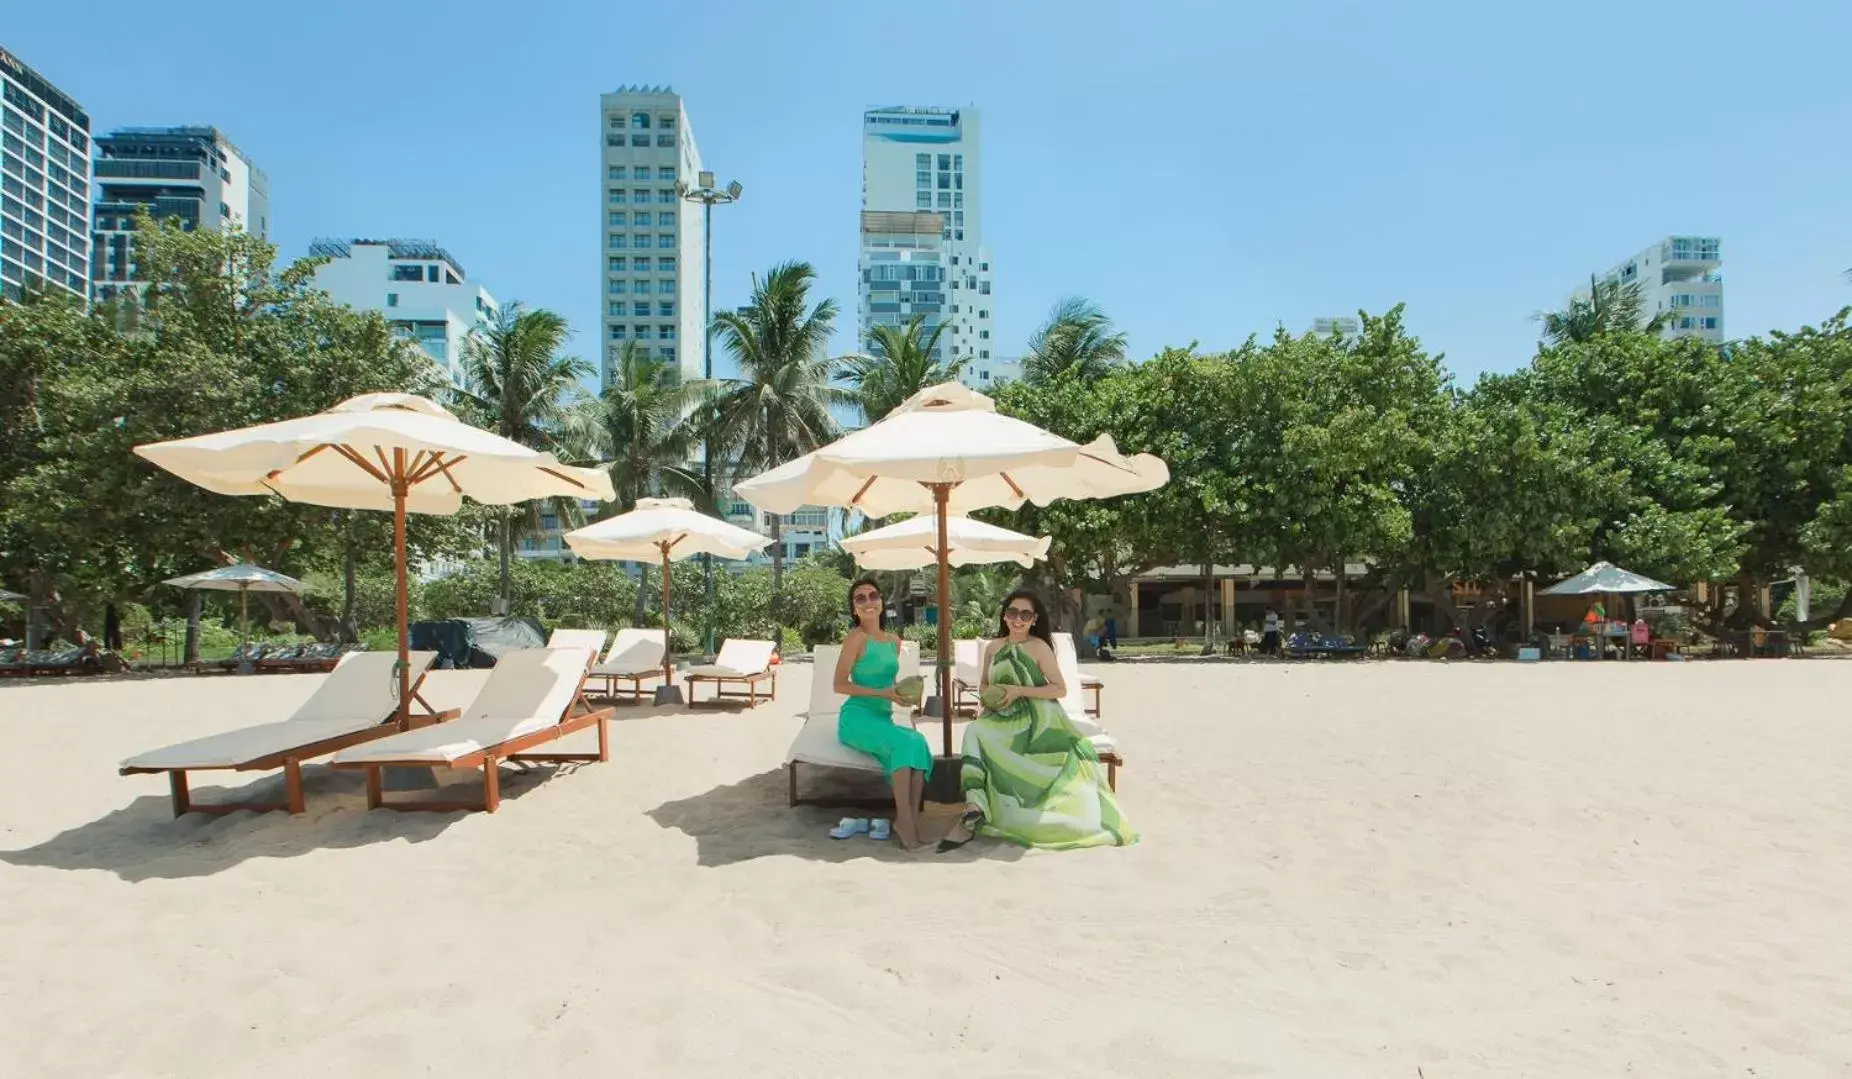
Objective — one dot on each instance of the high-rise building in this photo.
(1678, 278)
(1336, 326)
(45, 173)
(194, 174)
(416, 284)
(922, 239)
(651, 273)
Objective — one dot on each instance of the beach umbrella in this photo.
(1603, 578)
(242, 578)
(381, 451)
(947, 451)
(10, 597)
(669, 529)
(914, 544)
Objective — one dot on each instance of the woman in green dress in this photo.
(865, 674)
(1029, 776)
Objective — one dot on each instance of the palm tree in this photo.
(1609, 307)
(1078, 340)
(902, 362)
(639, 416)
(518, 385)
(779, 406)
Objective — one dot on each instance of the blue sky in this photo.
(1203, 170)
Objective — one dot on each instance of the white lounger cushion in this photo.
(361, 692)
(817, 743)
(966, 656)
(1075, 703)
(578, 638)
(529, 690)
(634, 651)
(737, 659)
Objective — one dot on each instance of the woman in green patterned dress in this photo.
(1028, 775)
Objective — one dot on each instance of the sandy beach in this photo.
(1384, 869)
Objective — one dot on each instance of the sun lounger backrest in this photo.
(824, 700)
(967, 656)
(1075, 702)
(363, 685)
(578, 638)
(747, 657)
(636, 647)
(531, 683)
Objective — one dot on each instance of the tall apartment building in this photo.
(651, 273)
(420, 288)
(194, 174)
(1336, 326)
(1678, 278)
(921, 169)
(44, 184)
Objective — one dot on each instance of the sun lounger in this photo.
(357, 702)
(81, 659)
(817, 744)
(579, 638)
(1314, 645)
(1085, 719)
(533, 696)
(748, 662)
(635, 656)
(966, 655)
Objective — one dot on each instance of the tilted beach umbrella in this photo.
(242, 578)
(381, 451)
(948, 451)
(668, 529)
(1603, 578)
(914, 544)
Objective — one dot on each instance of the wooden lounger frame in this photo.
(1093, 688)
(290, 760)
(489, 760)
(722, 697)
(634, 693)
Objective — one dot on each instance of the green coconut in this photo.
(911, 689)
(991, 697)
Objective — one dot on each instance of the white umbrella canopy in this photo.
(914, 544)
(379, 451)
(949, 434)
(946, 451)
(242, 578)
(668, 529)
(10, 597)
(1605, 577)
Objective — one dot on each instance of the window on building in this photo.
(640, 195)
(666, 121)
(639, 140)
(667, 352)
(617, 309)
(642, 332)
(665, 263)
(666, 142)
(1684, 323)
(666, 286)
(984, 354)
(945, 181)
(616, 264)
(1710, 322)
(663, 172)
(923, 200)
(667, 195)
(392, 299)
(665, 309)
(666, 219)
(619, 241)
(958, 217)
(615, 219)
(665, 332)
(922, 179)
(619, 287)
(958, 162)
(639, 119)
(618, 333)
(922, 161)
(983, 288)
(667, 240)
(640, 308)
(407, 273)
(945, 162)
(983, 335)
(641, 218)
(619, 196)
(984, 266)
(945, 200)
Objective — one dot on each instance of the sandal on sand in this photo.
(849, 826)
(881, 829)
(970, 821)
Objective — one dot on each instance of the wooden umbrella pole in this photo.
(244, 612)
(941, 496)
(667, 665)
(401, 485)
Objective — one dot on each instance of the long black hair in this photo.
(1039, 628)
(857, 585)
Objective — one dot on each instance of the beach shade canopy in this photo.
(1604, 578)
(947, 451)
(242, 578)
(914, 544)
(381, 451)
(669, 530)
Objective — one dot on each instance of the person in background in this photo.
(1112, 631)
(1641, 636)
(1270, 633)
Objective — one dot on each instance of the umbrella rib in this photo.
(1015, 490)
(558, 475)
(862, 490)
(385, 466)
(354, 455)
(1108, 464)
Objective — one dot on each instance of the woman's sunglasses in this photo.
(1019, 614)
(865, 599)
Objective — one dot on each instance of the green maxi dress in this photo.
(867, 723)
(1036, 779)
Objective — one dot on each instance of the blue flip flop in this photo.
(880, 829)
(849, 827)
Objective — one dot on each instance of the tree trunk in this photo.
(1337, 607)
(778, 573)
(190, 652)
(642, 594)
(507, 555)
(350, 582)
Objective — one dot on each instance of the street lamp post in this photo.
(709, 196)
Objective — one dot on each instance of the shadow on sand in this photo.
(751, 819)
(144, 840)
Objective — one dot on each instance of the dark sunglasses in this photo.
(1019, 614)
(863, 599)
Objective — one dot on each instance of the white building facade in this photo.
(45, 170)
(1336, 326)
(416, 285)
(193, 174)
(918, 162)
(1679, 278)
(651, 256)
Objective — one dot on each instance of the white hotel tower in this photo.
(922, 232)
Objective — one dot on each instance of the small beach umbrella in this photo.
(1604, 578)
(914, 544)
(947, 450)
(242, 578)
(669, 529)
(381, 451)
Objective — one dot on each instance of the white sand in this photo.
(1355, 870)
